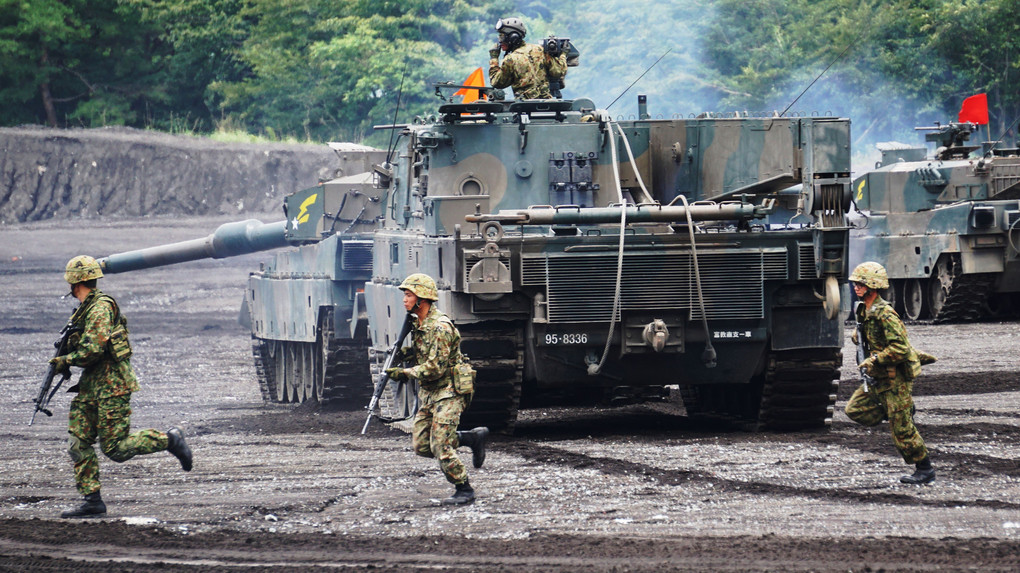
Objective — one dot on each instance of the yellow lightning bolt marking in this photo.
(302, 216)
(860, 190)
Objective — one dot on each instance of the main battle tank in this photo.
(582, 259)
(946, 227)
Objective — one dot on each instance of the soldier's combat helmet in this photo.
(82, 268)
(511, 30)
(421, 285)
(871, 275)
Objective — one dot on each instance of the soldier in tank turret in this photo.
(526, 68)
(445, 387)
(893, 364)
(102, 408)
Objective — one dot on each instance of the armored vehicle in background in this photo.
(582, 258)
(946, 228)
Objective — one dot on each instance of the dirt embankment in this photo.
(76, 173)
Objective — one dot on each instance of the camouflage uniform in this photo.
(895, 366)
(527, 70)
(102, 408)
(437, 350)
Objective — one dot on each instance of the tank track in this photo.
(967, 299)
(346, 377)
(797, 391)
(497, 353)
(264, 369)
(800, 389)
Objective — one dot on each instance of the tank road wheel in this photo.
(280, 368)
(295, 387)
(309, 372)
(345, 377)
(321, 355)
(940, 285)
(913, 300)
(894, 295)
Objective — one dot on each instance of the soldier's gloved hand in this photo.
(853, 337)
(406, 354)
(868, 366)
(397, 373)
(61, 363)
(494, 52)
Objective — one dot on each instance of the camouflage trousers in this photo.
(109, 421)
(435, 435)
(871, 408)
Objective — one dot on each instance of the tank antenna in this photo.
(996, 142)
(832, 63)
(638, 78)
(390, 147)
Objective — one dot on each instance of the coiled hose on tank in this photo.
(709, 355)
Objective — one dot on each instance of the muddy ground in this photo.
(638, 488)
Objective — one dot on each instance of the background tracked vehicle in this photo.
(581, 258)
(946, 228)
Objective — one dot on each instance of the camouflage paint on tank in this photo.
(534, 302)
(960, 207)
(555, 281)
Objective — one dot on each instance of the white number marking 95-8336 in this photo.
(571, 338)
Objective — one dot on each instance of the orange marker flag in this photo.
(475, 79)
(974, 110)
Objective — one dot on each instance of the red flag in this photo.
(974, 110)
(475, 79)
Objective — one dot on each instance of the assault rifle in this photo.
(862, 350)
(47, 389)
(380, 382)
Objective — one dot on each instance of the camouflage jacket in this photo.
(527, 70)
(103, 377)
(886, 340)
(436, 350)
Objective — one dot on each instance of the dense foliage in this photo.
(331, 69)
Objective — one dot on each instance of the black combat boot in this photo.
(923, 473)
(179, 448)
(475, 439)
(93, 506)
(464, 495)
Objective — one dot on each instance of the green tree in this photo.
(324, 69)
(202, 37)
(86, 62)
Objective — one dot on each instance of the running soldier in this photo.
(102, 408)
(436, 356)
(893, 364)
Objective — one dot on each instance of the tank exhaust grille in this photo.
(580, 288)
(356, 256)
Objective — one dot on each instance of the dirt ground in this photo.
(638, 488)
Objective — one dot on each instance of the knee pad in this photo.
(75, 448)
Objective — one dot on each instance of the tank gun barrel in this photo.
(569, 215)
(229, 240)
